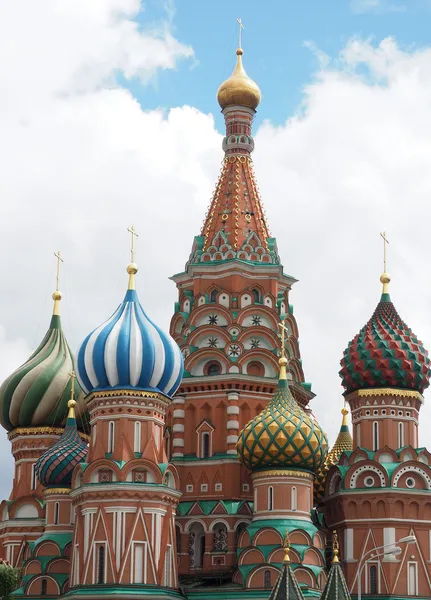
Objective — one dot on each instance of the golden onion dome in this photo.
(239, 89)
(283, 435)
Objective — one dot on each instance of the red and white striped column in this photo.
(178, 426)
(232, 425)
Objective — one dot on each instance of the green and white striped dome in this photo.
(36, 394)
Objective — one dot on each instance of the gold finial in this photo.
(335, 548)
(56, 296)
(344, 412)
(241, 27)
(286, 548)
(72, 402)
(283, 360)
(132, 268)
(385, 277)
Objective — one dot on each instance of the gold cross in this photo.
(286, 547)
(59, 260)
(72, 391)
(134, 234)
(283, 331)
(385, 242)
(241, 27)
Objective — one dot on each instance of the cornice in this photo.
(373, 392)
(282, 473)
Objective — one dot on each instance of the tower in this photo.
(283, 447)
(33, 409)
(125, 495)
(378, 494)
(232, 296)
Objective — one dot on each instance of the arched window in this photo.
(213, 296)
(400, 435)
(214, 368)
(293, 498)
(220, 538)
(43, 584)
(256, 295)
(111, 431)
(56, 512)
(255, 368)
(33, 476)
(270, 498)
(205, 444)
(101, 564)
(373, 579)
(375, 436)
(267, 579)
(137, 443)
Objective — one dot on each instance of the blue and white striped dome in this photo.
(129, 351)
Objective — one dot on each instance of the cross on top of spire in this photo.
(241, 27)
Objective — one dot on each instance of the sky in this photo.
(108, 117)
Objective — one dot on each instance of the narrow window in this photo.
(56, 512)
(137, 436)
(267, 579)
(33, 476)
(256, 295)
(213, 296)
(373, 580)
(139, 563)
(168, 569)
(293, 498)
(205, 445)
(270, 498)
(400, 435)
(375, 436)
(358, 434)
(101, 564)
(111, 429)
(412, 578)
(43, 587)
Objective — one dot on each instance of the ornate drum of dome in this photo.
(282, 435)
(55, 466)
(130, 351)
(385, 353)
(239, 89)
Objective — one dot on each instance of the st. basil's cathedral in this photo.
(190, 464)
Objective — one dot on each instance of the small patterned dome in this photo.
(130, 351)
(36, 394)
(239, 89)
(55, 466)
(282, 435)
(385, 353)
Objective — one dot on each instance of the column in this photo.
(232, 422)
(178, 426)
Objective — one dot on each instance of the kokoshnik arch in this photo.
(190, 463)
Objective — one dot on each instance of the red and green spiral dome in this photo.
(385, 353)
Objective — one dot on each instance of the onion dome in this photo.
(55, 467)
(282, 435)
(287, 586)
(36, 394)
(239, 89)
(336, 587)
(385, 353)
(128, 351)
(343, 443)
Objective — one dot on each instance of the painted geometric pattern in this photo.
(282, 435)
(336, 587)
(287, 587)
(343, 443)
(385, 353)
(55, 466)
(36, 394)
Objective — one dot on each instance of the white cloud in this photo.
(82, 161)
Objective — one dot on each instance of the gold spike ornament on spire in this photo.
(56, 296)
(335, 548)
(239, 89)
(72, 402)
(132, 268)
(385, 277)
(283, 360)
(286, 548)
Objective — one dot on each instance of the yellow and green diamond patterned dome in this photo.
(283, 435)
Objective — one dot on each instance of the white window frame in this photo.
(111, 435)
(137, 437)
(270, 498)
